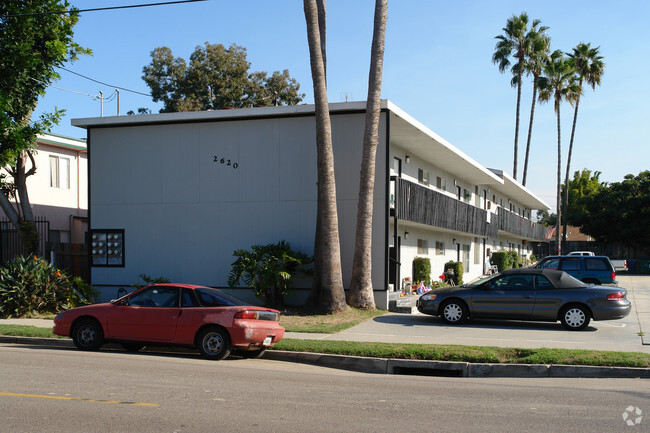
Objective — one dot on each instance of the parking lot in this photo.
(628, 334)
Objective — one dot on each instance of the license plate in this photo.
(267, 341)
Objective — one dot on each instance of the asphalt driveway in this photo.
(628, 334)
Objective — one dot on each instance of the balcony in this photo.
(419, 204)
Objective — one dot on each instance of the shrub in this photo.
(458, 271)
(514, 258)
(268, 270)
(501, 259)
(32, 285)
(422, 270)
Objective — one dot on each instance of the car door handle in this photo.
(527, 297)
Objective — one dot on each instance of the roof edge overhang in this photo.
(520, 193)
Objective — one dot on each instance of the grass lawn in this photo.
(301, 321)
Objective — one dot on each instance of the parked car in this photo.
(581, 253)
(208, 319)
(590, 269)
(620, 265)
(527, 294)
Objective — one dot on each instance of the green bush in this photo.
(422, 271)
(458, 271)
(32, 285)
(514, 258)
(501, 259)
(268, 270)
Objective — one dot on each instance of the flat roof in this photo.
(405, 131)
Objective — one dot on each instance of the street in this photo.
(65, 390)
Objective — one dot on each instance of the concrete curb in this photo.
(411, 366)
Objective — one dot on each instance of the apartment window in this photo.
(423, 177)
(441, 183)
(423, 246)
(440, 248)
(59, 172)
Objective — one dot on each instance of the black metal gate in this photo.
(11, 244)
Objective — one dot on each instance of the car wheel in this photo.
(214, 343)
(132, 347)
(454, 312)
(251, 354)
(575, 317)
(88, 335)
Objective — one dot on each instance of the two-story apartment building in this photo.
(59, 189)
(175, 194)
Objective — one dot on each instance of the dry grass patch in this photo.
(299, 320)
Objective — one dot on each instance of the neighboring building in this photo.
(58, 193)
(59, 189)
(175, 194)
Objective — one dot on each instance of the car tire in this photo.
(214, 344)
(251, 354)
(454, 312)
(575, 317)
(88, 335)
(132, 347)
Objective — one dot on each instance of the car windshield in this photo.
(216, 298)
(477, 282)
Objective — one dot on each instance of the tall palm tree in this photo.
(361, 291)
(589, 67)
(514, 42)
(540, 46)
(327, 293)
(558, 84)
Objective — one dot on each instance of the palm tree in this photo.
(361, 293)
(557, 83)
(327, 293)
(514, 42)
(540, 45)
(589, 67)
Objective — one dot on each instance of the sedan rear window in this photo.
(217, 298)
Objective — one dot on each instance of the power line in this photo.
(105, 84)
(103, 9)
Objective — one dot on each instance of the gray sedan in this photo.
(528, 294)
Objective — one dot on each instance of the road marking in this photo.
(54, 397)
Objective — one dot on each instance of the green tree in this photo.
(557, 84)
(589, 67)
(216, 77)
(620, 212)
(583, 185)
(36, 37)
(328, 293)
(515, 42)
(361, 289)
(267, 269)
(540, 45)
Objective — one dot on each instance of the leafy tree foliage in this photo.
(583, 186)
(620, 211)
(215, 77)
(31, 47)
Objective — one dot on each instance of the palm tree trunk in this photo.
(515, 161)
(361, 290)
(568, 168)
(559, 182)
(327, 287)
(530, 131)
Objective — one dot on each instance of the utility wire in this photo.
(105, 84)
(103, 9)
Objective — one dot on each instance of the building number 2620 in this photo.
(225, 161)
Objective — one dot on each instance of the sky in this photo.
(437, 67)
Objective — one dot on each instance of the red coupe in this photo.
(174, 315)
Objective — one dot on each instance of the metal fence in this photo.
(11, 244)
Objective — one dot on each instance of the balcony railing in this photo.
(419, 204)
(517, 225)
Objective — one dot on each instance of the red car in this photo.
(174, 315)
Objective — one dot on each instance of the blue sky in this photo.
(437, 68)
